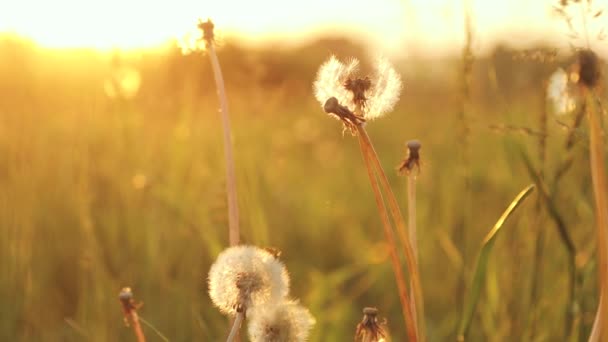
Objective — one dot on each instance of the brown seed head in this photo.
(589, 68)
(358, 87)
(370, 330)
(413, 157)
(207, 28)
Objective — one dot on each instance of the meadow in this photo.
(112, 174)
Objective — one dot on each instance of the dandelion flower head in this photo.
(374, 96)
(243, 277)
(286, 322)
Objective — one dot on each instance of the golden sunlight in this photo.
(427, 25)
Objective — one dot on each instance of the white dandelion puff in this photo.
(246, 276)
(558, 93)
(385, 91)
(370, 97)
(331, 78)
(285, 322)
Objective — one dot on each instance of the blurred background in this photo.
(112, 168)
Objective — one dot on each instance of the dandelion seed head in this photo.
(330, 81)
(558, 93)
(385, 90)
(370, 97)
(246, 276)
(285, 322)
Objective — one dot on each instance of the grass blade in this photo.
(482, 261)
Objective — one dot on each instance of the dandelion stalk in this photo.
(233, 210)
(410, 323)
(410, 258)
(354, 100)
(236, 326)
(598, 177)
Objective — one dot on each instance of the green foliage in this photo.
(479, 275)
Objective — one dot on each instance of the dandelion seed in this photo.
(246, 276)
(370, 97)
(285, 322)
(331, 77)
(558, 93)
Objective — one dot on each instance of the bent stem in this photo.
(368, 148)
(390, 239)
(236, 326)
(233, 209)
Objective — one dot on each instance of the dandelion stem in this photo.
(411, 213)
(233, 210)
(390, 239)
(598, 177)
(236, 326)
(411, 216)
(368, 148)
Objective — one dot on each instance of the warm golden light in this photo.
(392, 24)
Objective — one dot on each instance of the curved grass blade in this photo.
(482, 262)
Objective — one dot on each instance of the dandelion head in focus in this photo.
(370, 329)
(369, 97)
(285, 322)
(246, 276)
(559, 94)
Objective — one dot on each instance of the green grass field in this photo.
(100, 192)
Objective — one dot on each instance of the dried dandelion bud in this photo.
(589, 68)
(246, 276)
(207, 28)
(285, 322)
(558, 92)
(413, 157)
(370, 97)
(370, 330)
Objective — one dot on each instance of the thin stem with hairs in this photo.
(233, 209)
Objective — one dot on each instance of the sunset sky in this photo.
(394, 26)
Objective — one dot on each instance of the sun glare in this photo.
(138, 24)
(394, 25)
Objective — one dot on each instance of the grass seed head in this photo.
(246, 276)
